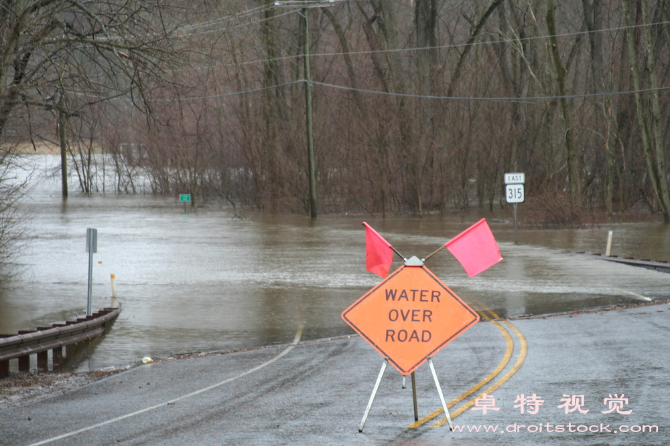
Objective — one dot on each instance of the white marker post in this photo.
(608, 249)
(91, 248)
(515, 193)
(115, 303)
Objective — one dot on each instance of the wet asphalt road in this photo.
(316, 392)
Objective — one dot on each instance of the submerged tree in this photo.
(65, 55)
(418, 106)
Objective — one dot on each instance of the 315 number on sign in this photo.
(515, 193)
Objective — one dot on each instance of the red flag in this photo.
(475, 248)
(378, 252)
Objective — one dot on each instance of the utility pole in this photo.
(307, 4)
(308, 112)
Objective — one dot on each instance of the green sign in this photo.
(185, 198)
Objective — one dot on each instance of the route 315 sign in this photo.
(515, 193)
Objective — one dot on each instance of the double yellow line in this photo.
(503, 363)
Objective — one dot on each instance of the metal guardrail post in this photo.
(40, 341)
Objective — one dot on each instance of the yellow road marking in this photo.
(508, 353)
(500, 382)
(503, 363)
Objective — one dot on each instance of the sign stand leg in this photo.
(416, 406)
(403, 382)
(372, 397)
(439, 390)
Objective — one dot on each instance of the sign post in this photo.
(185, 198)
(411, 315)
(91, 248)
(515, 193)
(408, 318)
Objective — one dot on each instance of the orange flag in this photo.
(475, 248)
(378, 252)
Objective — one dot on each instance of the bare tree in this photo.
(55, 51)
(409, 115)
(650, 129)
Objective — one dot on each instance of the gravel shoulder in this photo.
(21, 388)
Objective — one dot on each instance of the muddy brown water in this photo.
(206, 280)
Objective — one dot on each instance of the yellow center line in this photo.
(503, 363)
(500, 382)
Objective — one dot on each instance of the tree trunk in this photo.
(655, 173)
(574, 175)
(62, 136)
(656, 116)
(593, 19)
(268, 163)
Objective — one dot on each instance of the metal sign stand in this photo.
(439, 391)
(416, 405)
(416, 408)
(455, 315)
(374, 393)
(414, 399)
(413, 262)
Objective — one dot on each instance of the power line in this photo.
(404, 95)
(490, 99)
(238, 15)
(233, 27)
(491, 42)
(427, 48)
(237, 93)
(300, 4)
(189, 98)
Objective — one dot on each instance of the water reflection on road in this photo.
(205, 280)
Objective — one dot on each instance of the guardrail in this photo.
(54, 338)
(661, 265)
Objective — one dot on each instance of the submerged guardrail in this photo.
(661, 265)
(53, 338)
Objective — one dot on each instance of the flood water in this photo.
(205, 280)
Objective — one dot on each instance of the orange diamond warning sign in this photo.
(410, 316)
